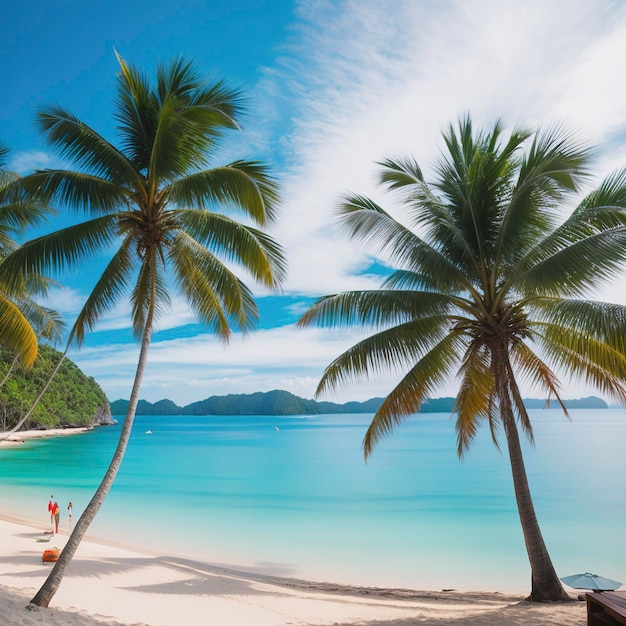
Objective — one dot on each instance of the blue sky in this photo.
(332, 88)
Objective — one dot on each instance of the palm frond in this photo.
(578, 267)
(75, 190)
(417, 385)
(18, 210)
(362, 219)
(170, 129)
(604, 207)
(150, 295)
(135, 111)
(83, 146)
(375, 309)
(603, 321)
(601, 211)
(16, 334)
(245, 185)
(550, 170)
(217, 296)
(22, 287)
(528, 364)
(219, 105)
(474, 400)
(561, 159)
(385, 351)
(57, 250)
(401, 174)
(252, 249)
(106, 292)
(585, 358)
(47, 323)
(4, 151)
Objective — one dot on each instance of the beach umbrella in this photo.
(591, 581)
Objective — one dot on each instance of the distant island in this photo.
(285, 403)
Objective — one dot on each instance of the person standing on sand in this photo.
(50, 505)
(56, 512)
(69, 513)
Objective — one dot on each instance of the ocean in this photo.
(292, 496)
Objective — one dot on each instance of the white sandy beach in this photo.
(17, 438)
(110, 584)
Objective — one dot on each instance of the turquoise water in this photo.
(293, 496)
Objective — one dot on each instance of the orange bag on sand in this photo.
(50, 555)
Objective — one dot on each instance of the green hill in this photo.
(73, 398)
(285, 403)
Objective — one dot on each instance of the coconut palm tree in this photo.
(489, 287)
(162, 214)
(18, 310)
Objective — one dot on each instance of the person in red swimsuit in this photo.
(56, 513)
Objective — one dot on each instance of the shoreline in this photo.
(116, 584)
(22, 436)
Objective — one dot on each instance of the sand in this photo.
(19, 437)
(113, 584)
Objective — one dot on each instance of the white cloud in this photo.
(190, 369)
(65, 300)
(25, 162)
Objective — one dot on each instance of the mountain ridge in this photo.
(279, 402)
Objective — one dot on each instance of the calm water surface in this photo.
(293, 496)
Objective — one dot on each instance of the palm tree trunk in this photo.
(545, 584)
(6, 377)
(51, 584)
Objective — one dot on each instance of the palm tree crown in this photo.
(153, 196)
(489, 288)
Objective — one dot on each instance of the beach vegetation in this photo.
(494, 269)
(73, 398)
(163, 213)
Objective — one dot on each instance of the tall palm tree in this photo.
(157, 200)
(18, 310)
(488, 287)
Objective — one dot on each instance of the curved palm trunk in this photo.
(13, 364)
(51, 584)
(28, 413)
(545, 584)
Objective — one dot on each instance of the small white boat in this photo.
(148, 432)
(276, 428)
